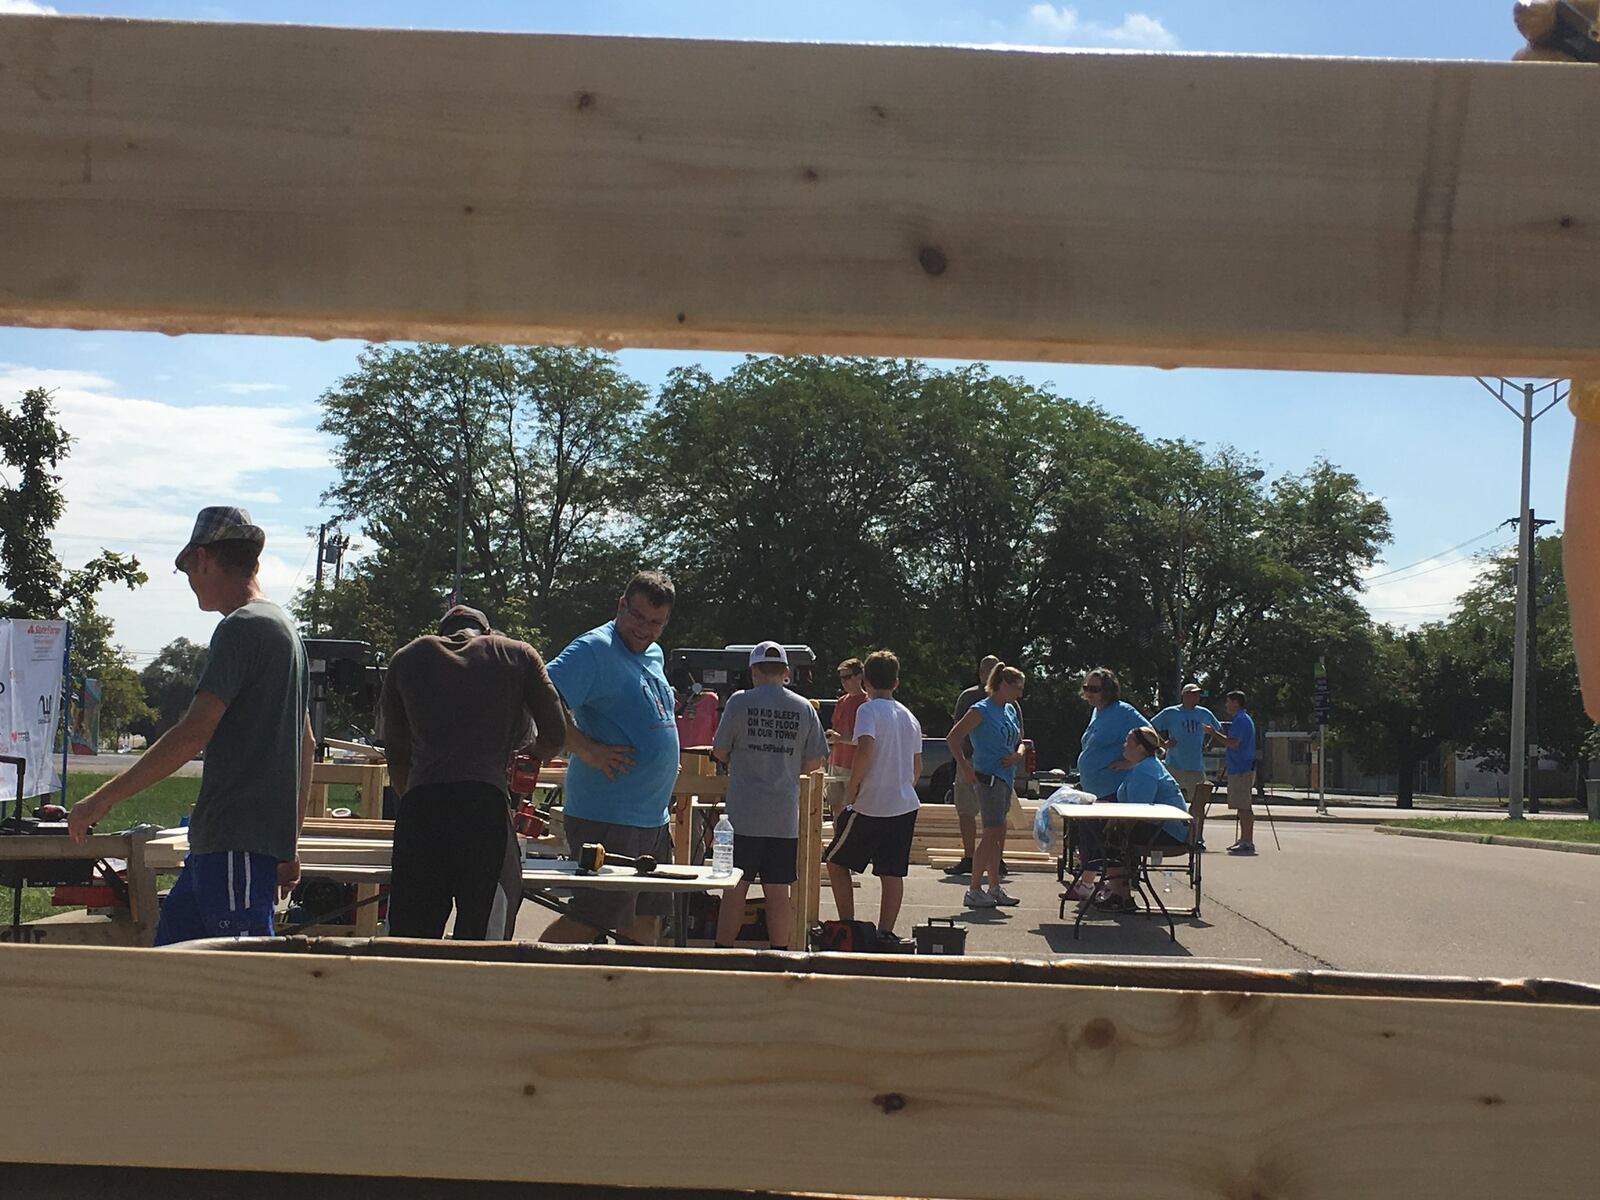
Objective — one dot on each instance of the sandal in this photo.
(1078, 892)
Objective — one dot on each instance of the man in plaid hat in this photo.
(250, 716)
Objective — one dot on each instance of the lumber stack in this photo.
(938, 830)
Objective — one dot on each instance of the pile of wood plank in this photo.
(938, 838)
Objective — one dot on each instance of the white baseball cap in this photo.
(769, 652)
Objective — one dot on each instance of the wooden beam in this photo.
(1304, 1096)
(1168, 210)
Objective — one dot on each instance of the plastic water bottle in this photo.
(722, 847)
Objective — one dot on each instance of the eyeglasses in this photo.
(642, 621)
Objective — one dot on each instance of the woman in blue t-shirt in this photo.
(995, 726)
(1100, 760)
(1145, 780)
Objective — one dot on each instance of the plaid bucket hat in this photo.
(221, 523)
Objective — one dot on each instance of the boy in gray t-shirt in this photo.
(769, 737)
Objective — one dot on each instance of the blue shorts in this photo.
(227, 894)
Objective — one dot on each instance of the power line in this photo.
(1453, 562)
(1431, 557)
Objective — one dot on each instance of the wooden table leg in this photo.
(143, 901)
(367, 914)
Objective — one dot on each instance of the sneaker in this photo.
(977, 898)
(999, 897)
(1004, 870)
(1242, 849)
(1200, 846)
(890, 942)
(964, 867)
(1117, 904)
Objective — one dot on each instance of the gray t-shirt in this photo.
(250, 783)
(769, 732)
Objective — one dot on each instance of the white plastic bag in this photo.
(1047, 825)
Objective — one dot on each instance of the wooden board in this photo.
(891, 200)
(1303, 1096)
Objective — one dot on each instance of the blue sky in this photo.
(165, 425)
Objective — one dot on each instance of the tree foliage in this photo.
(169, 684)
(848, 504)
(528, 445)
(34, 582)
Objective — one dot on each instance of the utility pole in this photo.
(1177, 685)
(316, 590)
(1533, 661)
(1519, 663)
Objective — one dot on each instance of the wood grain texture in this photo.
(429, 1064)
(1166, 210)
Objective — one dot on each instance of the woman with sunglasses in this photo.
(1100, 757)
(1145, 781)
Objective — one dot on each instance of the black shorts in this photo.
(883, 842)
(768, 859)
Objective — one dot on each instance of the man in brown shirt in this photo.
(456, 706)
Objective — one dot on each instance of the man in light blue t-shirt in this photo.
(622, 746)
(1240, 764)
(1182, 727)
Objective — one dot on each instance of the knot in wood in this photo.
(1098, 1034)
(890, 1102)
(932, 260)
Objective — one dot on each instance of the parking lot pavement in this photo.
(1334, 896)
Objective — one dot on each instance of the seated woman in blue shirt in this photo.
(1146, 781)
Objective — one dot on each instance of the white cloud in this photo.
(1427, 591)
(1061, 23)
(139, 470)
(26, 6)
(250, 389)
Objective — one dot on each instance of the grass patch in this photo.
(1544, 831)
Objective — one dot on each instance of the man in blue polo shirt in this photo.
(1182, 727)
(622, 746)
(1240, 765)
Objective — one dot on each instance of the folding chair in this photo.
(1189, 868)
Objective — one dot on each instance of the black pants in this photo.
(454, 846)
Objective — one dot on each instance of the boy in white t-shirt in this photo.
(877, 825)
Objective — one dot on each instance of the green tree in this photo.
(773, 495)
(94, 656)
(35, 584)
(536, 441)
(169, 684)
(1485, 627)
(1416, 698)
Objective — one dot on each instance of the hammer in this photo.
(593, 856)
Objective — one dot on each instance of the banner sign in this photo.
(86, 719)
(30, 701)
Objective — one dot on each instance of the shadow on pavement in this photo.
(1117, 937)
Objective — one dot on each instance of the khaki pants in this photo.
(1187, 781)
(1240, 788)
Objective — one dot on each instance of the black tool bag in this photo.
(849, 937)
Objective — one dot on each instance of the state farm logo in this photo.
(50, 629)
